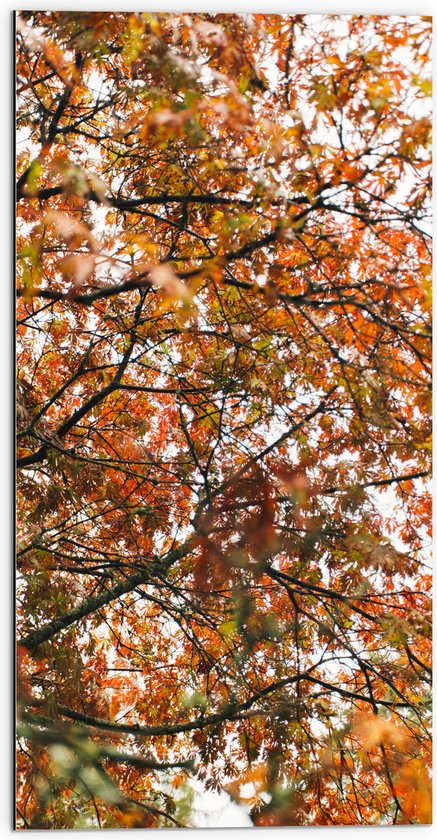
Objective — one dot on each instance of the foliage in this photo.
(223, 416)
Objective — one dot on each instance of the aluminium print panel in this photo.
(223, 416)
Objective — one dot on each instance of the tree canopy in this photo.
(223, 416)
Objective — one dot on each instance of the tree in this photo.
(223, 336)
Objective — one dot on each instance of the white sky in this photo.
(215, 810)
